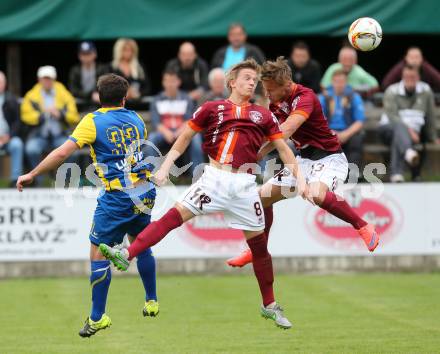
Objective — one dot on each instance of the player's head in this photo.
(237, 35)
(112, 90)
(410, 77)
(277, 79)
(300, 54)
(347, 58)
(414, 57)
(242, 78)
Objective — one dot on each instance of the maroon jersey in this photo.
(233, 134)
(315, 130)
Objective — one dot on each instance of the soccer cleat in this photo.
(151, 308)
(370, 236)
(91, 327)
(119, 257)
(241, 260)
(275, 313)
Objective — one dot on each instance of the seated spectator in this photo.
(237, 50)
(217, 86)
(49, 110)
(305, 70)
(344, 110)
(414, 57)
(169, 111)
(192, 71)
(408, 119)
(83, 76)
(126, 64)
(10, 124)
(357, 77)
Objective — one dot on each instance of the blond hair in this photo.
(235, 70)
(135, 68)
(278, 71)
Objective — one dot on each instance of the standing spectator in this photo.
(217, 86)
(126, 64)
(49, 110)
(192, 71)
(305, 70)
(357, 77)
(169, 111)
(10, 140)
(408, 119)
(344, 110)
(414, 57)
(83, 76)
(237, 50)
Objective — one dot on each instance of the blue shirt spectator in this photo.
(344, 110)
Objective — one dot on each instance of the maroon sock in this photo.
(342, 210)
(262, 262)
(268, 216)
(155, 232)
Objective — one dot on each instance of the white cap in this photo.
(47, 71)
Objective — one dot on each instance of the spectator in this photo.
(169, 111)
(217, 86)
(237, 50)
(414, 57)
(192, 71)
(126, 64)
(83, 76)
(344, 110)
(49, 110)
(357, 77)
(408, 119)
(10, 124)
(305, 70)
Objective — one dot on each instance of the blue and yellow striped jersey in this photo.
(114, 136)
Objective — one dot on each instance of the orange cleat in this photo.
(244, 258)
(370, 236)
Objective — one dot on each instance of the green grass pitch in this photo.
(358, 313)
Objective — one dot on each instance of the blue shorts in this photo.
(118, 214)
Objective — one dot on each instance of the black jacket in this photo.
(11, 111)
(75, 86)
(308, 76)
(251, 51)
(192, 78)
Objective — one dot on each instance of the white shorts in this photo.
(330, 170)
(234, 194)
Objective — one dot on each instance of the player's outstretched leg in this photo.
(146, 265)
(100, 279)
(338, 207)
(246, 256)
(262, 263)
(118, 256)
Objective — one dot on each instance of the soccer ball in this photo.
(365, 34)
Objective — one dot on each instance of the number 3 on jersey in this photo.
(121, 139)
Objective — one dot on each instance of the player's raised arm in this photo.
(289, 160)
(175, 152)
(51, 162)
(291, 125)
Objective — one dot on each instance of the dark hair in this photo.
(112, 89)
(235, 25)
(411, 68)
(170, 71)
(301, 45)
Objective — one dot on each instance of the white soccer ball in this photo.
(365, 34)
